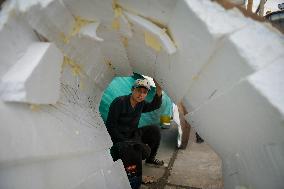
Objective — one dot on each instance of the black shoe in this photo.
(155, 162)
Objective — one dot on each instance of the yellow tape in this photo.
(152, 41)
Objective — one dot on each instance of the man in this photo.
(122, 125)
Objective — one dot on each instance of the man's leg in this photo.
(151, 136)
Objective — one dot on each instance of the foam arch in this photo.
(209, 58)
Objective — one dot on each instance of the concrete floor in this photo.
(198, 166)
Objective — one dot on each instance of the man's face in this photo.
(139, 94)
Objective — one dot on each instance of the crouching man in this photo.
(133, 144)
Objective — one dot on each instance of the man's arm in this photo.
(156, 102)
(112, 121)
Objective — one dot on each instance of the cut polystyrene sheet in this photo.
(90, 31)
(114, 51)
(147, 42)
(45, 25)
(97, 10)
(154, 36)
(116, 177)
(24, 81)
(250, 115)
(32, 130)
(158, 11)
(239, 55)
(125, 27)
(15, 36)
(141, 57)
(64, 172)
(197, 37)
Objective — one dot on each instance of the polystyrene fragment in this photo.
(159, 33)
(24, 81)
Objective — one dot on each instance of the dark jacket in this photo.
(122, 121)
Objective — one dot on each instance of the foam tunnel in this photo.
(58, 56)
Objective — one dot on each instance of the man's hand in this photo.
(158, 88)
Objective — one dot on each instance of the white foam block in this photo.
(239, 55)
(96, 10)
(159, 11)
(143, 57)
(15, 36)
(53, 21)
(64, 172)
(196, 38)
(34, 76)
(245, 126)
(114, 51)
(125, 27)
(90, 31)
(147, 26)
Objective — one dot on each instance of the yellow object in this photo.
(116, 24)
(117, 12)
(64, 38)
(165, 119)
(34, 107)
(124, 41)
(76, 68)
(152, 41)
(79, 23)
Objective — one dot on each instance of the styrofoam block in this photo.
(112, 176)
(24, 81)
(116, 176)
(96, 10)
(156, 10)
(90, 31)
(125, 27)
(114, 52)
(239, 55)
(29, 135)
(46, 26)
(147, 26)
(15, 36)
(197, 37)
(141, 57)
(55, 12)
(245, 126)
(57, 172)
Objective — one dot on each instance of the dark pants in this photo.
(143, 144)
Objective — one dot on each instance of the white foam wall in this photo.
(227, 69)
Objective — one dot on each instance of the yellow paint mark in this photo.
(116, 24)
(195, 77)
(117, 12)
(64, 38)
(114, 4)
(79, 23)
(152, 41)
(76, 68)
(124, 41)
(34, 107)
